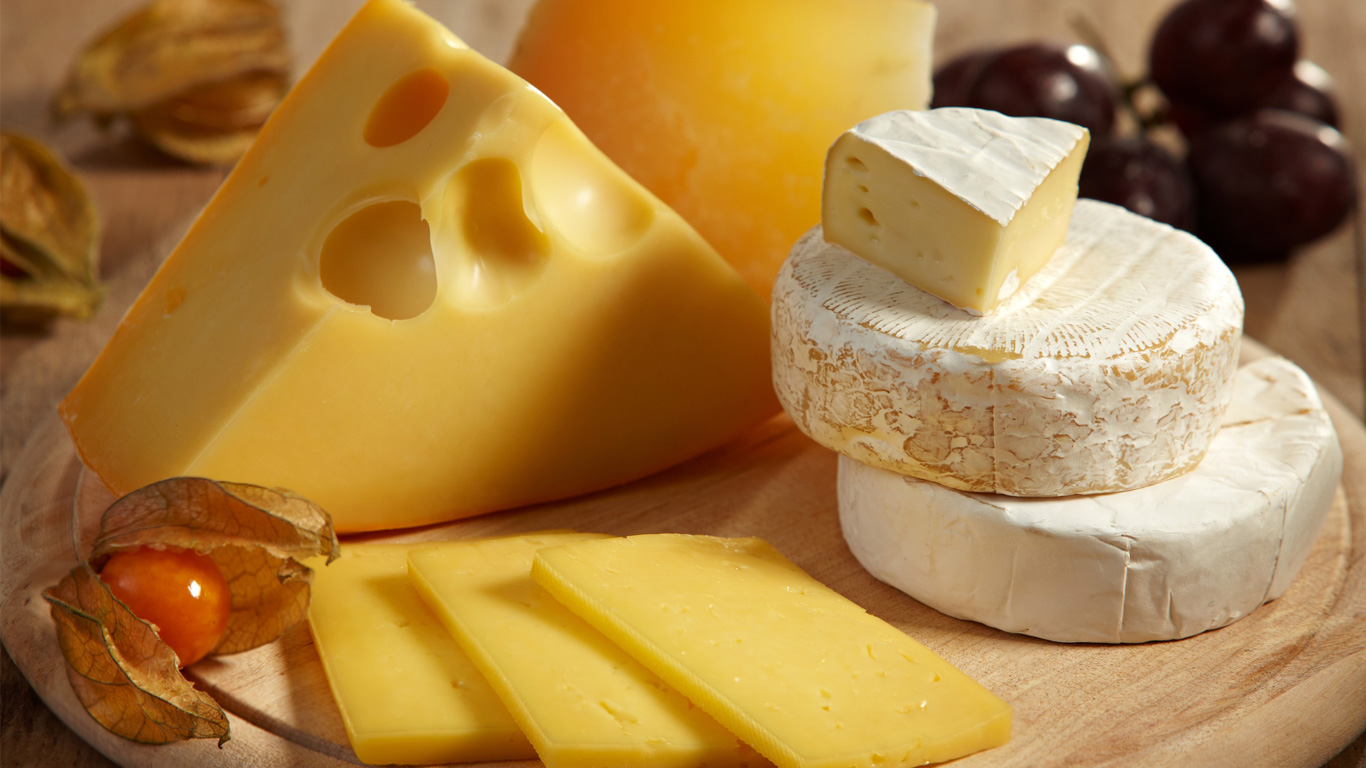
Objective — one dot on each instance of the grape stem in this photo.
(1090, 35)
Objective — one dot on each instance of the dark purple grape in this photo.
(1268, 182)
(1223, 55)
(1048, 81)
(1141, 176)
(1309, 92)
(954, 80)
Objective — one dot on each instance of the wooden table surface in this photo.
(1307, 309)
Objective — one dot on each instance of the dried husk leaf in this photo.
(170, 47)
(21, 260)
(196, 145)
(48, 222)
(49, 234)
(122, 672)
(124, 676)
(29, 302)
(269, 595)
(212, 124)
(243, 102)
(257, 537)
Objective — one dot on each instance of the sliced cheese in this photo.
(1159, 563)
(1108, 371)
(421, 295)
(580, 699)
(967, 204)
(406, 691)
(797, 670)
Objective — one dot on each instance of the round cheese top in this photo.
(1159, 563)
(1107, 371)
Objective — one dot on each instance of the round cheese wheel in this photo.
(1107, 371)
(1159, 563)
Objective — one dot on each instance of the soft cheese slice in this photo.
(423, 295)
(797, 670)
(406, 691)
(1163, 562)
(1108, 371)
(967, 204)
(580, 699)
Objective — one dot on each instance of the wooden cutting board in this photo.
(1285, 686)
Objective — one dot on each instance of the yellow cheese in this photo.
(724, 108)
(581, 700)
(421, 295)
(406, 691)
(795, 669)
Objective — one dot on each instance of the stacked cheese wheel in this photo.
(1056, 455)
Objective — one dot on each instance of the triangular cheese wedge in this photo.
(966, 204)
(422, 295)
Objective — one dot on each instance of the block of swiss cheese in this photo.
(422, 295)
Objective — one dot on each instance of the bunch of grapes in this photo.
(1264, 169)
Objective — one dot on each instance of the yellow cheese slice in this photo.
(580, 699)
(422, 295)
(794, 668)
(406, 691)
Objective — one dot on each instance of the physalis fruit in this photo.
(119, 622)
(179, 591)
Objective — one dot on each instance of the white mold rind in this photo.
(1164, 562)
(1107, 371)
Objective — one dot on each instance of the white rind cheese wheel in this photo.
(1108, 371)
(1163, 562)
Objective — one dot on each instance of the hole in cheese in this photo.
(381, 257)
(174, 298)
(593, 205)
(503, 250)
(867, 216)
(406, 108)
(856, 164)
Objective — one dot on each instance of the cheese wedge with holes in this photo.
(967, 204)
(1108, 371)
(406, 691)
(422, 295)
(1168, 561)
(582, 701)
(798, 671)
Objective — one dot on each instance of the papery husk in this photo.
(170, 47)
(258, 537)
(49, 235)
(213, 124)
(197, 78)
(125, 676)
